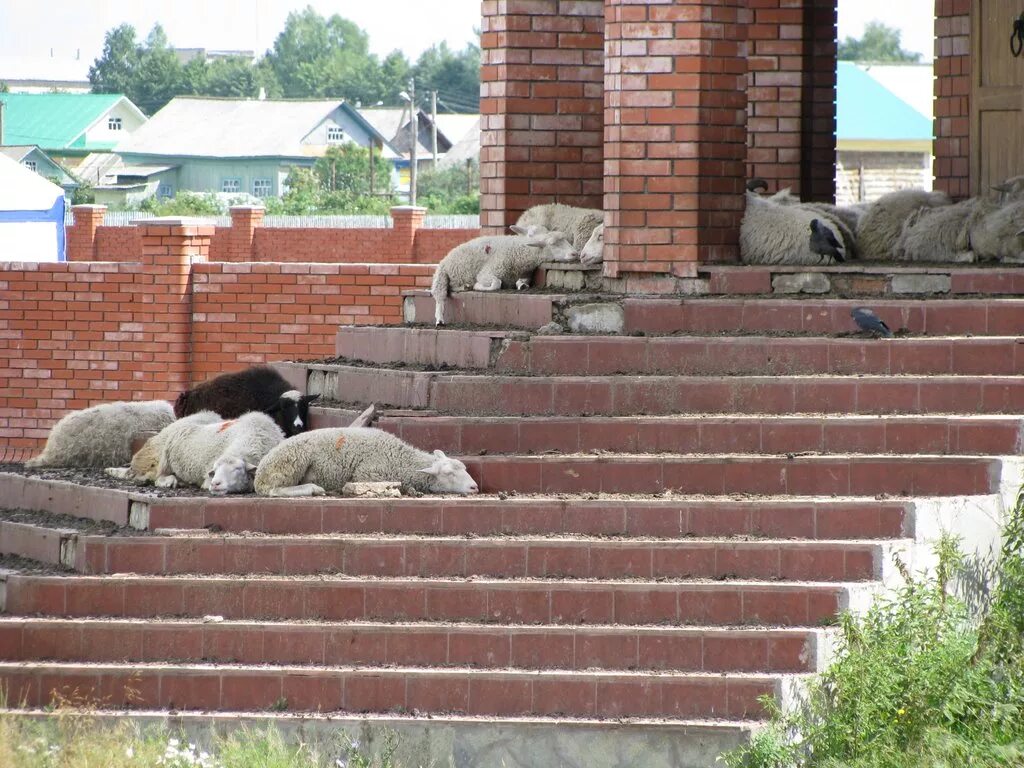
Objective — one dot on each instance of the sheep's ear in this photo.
(439, 454)
(519, 230)
(308, 398)
(250, 469)
(275, 408)
(1001, 187)
(431, 470)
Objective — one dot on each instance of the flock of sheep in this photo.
(241, 432)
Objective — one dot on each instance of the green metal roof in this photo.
(867, 110)
(54, 120)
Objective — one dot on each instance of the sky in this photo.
(76, 27)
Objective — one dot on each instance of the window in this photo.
(231, 185)
(30, 164)
(334, 134)
(261, 187)
(165, 190)
(113, 123)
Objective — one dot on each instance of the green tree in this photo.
(114, 70)
(394, 77)
(878, 43)
(455, 189)
(157, 77)
(346, 168)
(234, 76)
(455, 76)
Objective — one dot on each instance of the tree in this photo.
(234, 76)
(346, 168)
(114, 70)
(878, 43)
(455, 76)
(157, 76)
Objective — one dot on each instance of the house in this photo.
(465, 149)
(68, 126)
(876, 156)
(395, 125)
(36, 160)
(237, 145)
(45, 74)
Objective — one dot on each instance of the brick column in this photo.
(407, 219)
(541, 106)
(244, 221)
(675, 135)
(81, 236)
(953, 97)
(791, 88)
(170, 245)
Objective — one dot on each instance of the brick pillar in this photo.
(170, 245)
(675, 135)
(953, 96)
(791, 87)
(244, 221)
(81, 236)
(541, 105)
(407, 219)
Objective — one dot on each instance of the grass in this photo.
(75, 740)
(917, 683)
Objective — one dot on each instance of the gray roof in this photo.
(204, 127)
(16, 152)
(467, 148)
(390, 122)
(455, 125)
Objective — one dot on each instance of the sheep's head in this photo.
(291, 412)
(231, 475)
(557, 246)
(181, 404)
(449, 476)
(144, 463)
(593, 251)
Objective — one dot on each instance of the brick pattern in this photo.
(952, 97)
(81, 238)
(675, 136)
(541, 106)
(791, 92)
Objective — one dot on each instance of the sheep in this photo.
(938, 234)
(880, 226)
(997, 234)
(841, 219)
(488, 263)
(324, 460)
(259, 388)
(577, 223)
(102, 435)
(219, 456)
(776, 231)
(593, 250)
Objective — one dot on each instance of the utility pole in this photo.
(2, 105)
(414, 126)
(433, 125)
(373, 146)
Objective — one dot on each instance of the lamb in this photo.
(488, 263)
(102, 435)
(938, 234)
(260, 388)
(324, 460)
(219, 456)
(774, 230)
(577, 223)
(880, 226)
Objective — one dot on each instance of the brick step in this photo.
(685, 355)
(737, 314)
(807, 518)
(466, 436)
(535, 601)
(494, 395)
(501, 558)
(723, 474)
(485, 646)
(377, 690)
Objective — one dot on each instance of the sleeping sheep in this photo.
(260, 388)
(997, 234)
(219, 456)
(879, 228)
(577, 223)
(938, 234)
(324, 460)
(490, 263)
(101, 436)
(777, 230)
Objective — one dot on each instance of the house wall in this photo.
(99, 134)
(207, 174)
(354, 132)
(882, 172)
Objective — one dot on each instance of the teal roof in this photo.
(54, 120)
(867, 110)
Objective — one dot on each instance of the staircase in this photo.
(674, 509)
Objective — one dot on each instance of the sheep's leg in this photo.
(292, 491)
(121, 473)
(365, 418)
(522, 283)
(486, 281)
(166, 481)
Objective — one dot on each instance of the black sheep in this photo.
(259, 388)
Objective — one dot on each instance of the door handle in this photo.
(1017, 36)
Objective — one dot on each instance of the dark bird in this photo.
(757, 185)
(824, 243)
(867, 320)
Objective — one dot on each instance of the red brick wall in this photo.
(675, 137)
(541, 106)
(113, 244)
(952, 97)
(76, 334)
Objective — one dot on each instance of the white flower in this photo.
(129, 753)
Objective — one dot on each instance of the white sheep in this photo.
(593, 249)
(219, 456)
(997, 234)
(880, 226)
(324, 460)
(776, 230)
(488, 263)
(939, 234)
(102, 435)
(577, 223)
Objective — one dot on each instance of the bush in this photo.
(455, 189)
(185, 203)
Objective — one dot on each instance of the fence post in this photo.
(81, 236)
(244, 221)
(407, 219)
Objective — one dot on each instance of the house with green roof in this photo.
(883, 129)
(68, 126)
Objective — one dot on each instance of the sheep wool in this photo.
(324, 460)
(938, 234)
(997, 235)
(101, 436)
(880, 226)
(775, 231)
(577, 223)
